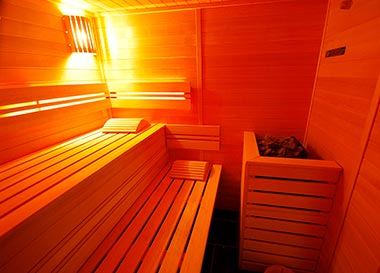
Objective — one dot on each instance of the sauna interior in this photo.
(303, 68)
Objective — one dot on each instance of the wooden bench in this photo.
(103, 202)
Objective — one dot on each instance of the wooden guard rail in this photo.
(103, 202)
(285, 209)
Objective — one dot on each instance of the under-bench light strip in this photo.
(79, 33)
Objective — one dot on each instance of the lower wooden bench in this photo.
(165, 230)
(103, 203)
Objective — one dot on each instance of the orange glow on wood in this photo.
(22, 108)
(282, 196)
(80, 35)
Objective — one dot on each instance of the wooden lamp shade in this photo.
(79, 33)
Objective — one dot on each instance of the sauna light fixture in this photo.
(79, 34)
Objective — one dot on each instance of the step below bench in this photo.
(106, 202)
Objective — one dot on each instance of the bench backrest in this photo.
(32, 118)
(193, 137)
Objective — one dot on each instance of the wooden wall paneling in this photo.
(258, 71)
(198, 31)
(149, 47)
(23, 134)
(343, 109)
(194, 137)
(33, 48)
(359, 239)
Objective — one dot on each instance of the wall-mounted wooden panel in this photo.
(151, 47)
(259, 64)
(339, 126)
(33, 47)
(55, 114)
(359, 244)
(64, 93)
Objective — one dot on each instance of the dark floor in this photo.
(222, 251)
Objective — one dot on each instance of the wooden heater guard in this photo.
(285, 205)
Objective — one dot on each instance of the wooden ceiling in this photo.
(104, 6)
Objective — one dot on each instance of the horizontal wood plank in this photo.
(291, 186)
(279, 249)
(289, 214)
(287, 200)
(199, 137)
(189, 129)
(279, 259)
(286, 226)
(308, 169)
(283, 238)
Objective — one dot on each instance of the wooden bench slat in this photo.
(173, 256)
(76, 204)
(75, 151)
(116, 254)
(105, 202)
(133, 258)
(102, 250)
(10, 168)
(157, 250)
(24, 168)
(118, 198)
(40, 201)
(36, 184)
(197, 243)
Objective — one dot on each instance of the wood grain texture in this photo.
(239, 51)
(134, 6)
(150, 48)
(62, 217)
(286, 197)
(36, 65)
(196, 137)
(59, 114)
(357, 248)
(258, 72)
(34, 50)
(343, 109)
(165, 231)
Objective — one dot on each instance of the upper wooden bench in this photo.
(103, 202)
